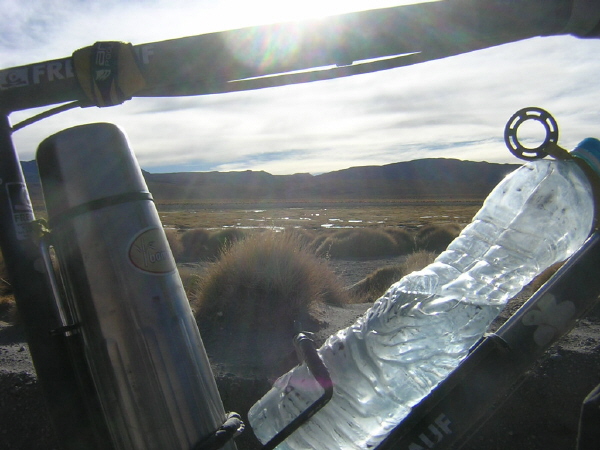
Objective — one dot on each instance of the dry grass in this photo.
(200, 244)
(317, 241)
(193, 245)
(538, 281)
(375, 213)
(5, 286)
(376, 284)
(306, 238)
(265, 282)
(405, 240)
(436, 237)
(175, 243)
(190, 278)
(418, 260)
(8, 309)
(401, 220)
(359, 243)
(219, 241)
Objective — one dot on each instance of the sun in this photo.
(241, 13)
(169, 19)
(265, 51)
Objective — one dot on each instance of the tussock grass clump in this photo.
(8, 308)
(377, 283)
(358, 243)
(374, 285)
(317, 241)
(5, 286)
(304, 236)
(200, 244)
(405, 241)
(190, 278)
(436, 237)
(265, 282)
(220, 240)
(418, 261)
(174, 240)
(193, 245)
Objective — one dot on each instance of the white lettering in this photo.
(53, 69)
(444, 423)
(103, 74)
(69, 69)
(103, 55)
(100, 58)
(426, 440)
(436, 433)
(37, 72)
(414, 446)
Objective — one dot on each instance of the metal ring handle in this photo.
(521, 116)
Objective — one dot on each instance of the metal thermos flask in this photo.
(123, 294)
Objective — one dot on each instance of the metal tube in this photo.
(230, 60)
(141, 341)
(51, 355)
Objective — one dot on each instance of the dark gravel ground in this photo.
(541, 414)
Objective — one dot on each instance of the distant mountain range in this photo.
(420, 179)
(432, 179)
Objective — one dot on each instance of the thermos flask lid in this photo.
(75, 170)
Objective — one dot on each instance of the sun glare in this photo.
(274, 50)
(258, 12)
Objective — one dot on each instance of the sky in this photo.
(452, 108)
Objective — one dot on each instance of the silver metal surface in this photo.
(141, 341)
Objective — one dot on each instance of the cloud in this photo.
(454, 107)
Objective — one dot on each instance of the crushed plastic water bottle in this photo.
(425, 324)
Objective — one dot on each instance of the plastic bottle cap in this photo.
(588, 151)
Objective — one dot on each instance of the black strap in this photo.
(98, 204)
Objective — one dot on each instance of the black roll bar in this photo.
(346, 45)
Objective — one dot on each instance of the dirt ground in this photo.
(541, 413)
